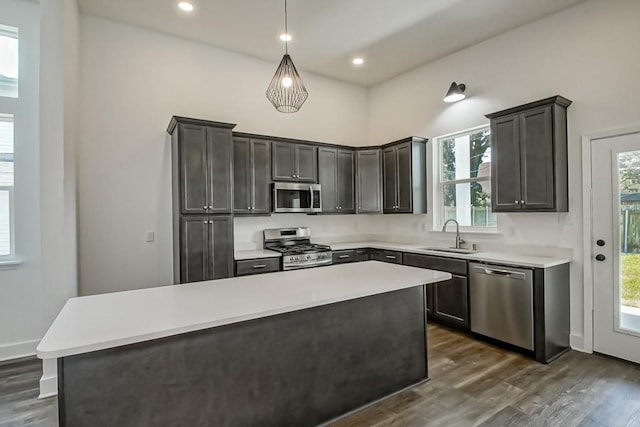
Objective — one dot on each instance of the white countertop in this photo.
(492, 257)
(255, 254)
(110, 320)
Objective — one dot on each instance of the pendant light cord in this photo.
(286, 30)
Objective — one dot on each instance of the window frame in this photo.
(439, 182)
(11, 106)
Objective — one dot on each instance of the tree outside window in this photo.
(465, 178)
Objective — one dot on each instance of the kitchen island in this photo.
(290, 348)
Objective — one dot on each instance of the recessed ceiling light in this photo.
(358, 61)
(186, 6)
(285, 37)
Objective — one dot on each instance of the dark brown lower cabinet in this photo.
(343, 256)
(257, 266)
(383, 255)
(447, 302)
(206, 248)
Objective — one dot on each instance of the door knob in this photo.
(600, 257)
(600, 242)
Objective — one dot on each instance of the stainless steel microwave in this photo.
(296, 198)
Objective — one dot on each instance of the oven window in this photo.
(293, 199)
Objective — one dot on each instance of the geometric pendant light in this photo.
(286, 90)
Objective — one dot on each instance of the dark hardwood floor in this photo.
(472, 383)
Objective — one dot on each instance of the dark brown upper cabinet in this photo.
(529, 170)
(369, 181)
(251, 176)
(404, 165)
(203, 157)
(336, 174)
(294, 162)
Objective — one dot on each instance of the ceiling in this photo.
(393, 36)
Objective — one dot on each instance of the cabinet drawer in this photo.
(449, 265)
(386, 256)
(257, 266)
(341, 257)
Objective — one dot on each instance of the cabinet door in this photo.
(242, 175)
(536, 158)
(390, 179)
(220, 247)
(194, 169)
(306, 163)
(450, 303)
(429, 296)
(283, 159)
(505, 164)
(369, 183)
(194, 248)
(404, 187)
(220, 155)
(346, 187)
(261, 176)
(328, 178)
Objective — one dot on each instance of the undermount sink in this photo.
(451, 250)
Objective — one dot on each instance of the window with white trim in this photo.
(8, 107)
(463, 185)
(6, 185)
(8, 61)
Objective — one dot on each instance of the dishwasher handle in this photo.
(499, 272)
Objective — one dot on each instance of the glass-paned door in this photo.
(616, 247)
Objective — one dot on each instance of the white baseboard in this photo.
(49, 379)
(577, 343)
(18, 350)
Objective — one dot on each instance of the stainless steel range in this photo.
(296, 248)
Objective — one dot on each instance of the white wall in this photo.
(588, 54)
(132, 82)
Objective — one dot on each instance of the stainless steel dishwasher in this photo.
(502, 303)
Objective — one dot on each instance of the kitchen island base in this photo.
(301, 368)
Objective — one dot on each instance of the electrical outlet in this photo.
(151, 236)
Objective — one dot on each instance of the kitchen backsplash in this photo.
(410, 229)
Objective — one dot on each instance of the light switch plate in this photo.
(151, 236)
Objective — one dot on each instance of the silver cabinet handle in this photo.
(205, 207)
(517, 202)
(522, 202)
(391, 257)
(343, 256)
(204, 222)
(260, 266)
(249, 207)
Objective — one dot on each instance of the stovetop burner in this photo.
(300, 249)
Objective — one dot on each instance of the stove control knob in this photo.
(308, 256)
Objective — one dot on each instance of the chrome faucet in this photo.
(459, 241)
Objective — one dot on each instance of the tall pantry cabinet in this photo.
(202, 186)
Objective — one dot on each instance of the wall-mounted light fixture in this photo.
(455, 92)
